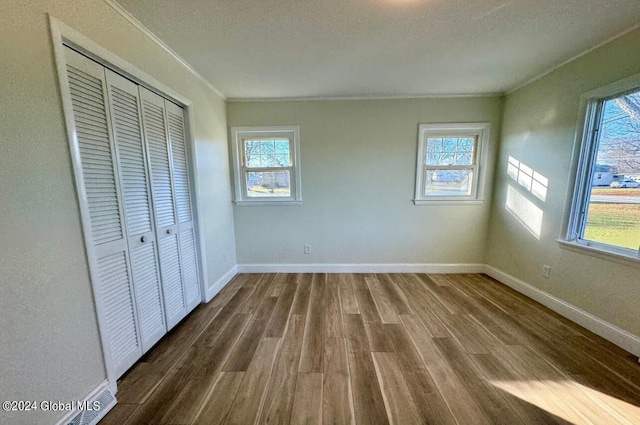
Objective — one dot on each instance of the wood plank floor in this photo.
(372, 349)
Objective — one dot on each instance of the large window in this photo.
(267, 165)
(606, 206)
(449, 160)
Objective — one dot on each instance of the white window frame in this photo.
(480, 131)
(584, 156)
(238, 134)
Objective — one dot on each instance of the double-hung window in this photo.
(449, 161)
(605, 212)
(266, 165)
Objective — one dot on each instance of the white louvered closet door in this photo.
(186, 231)
(124, 105)
(155, 132)
(100, 200)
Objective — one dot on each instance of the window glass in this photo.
(450, 151)
(268, 183)
(267, 153)
(613, 209)
(448, 182)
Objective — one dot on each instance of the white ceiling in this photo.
(379, 48)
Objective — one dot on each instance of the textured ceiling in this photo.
(379, 48)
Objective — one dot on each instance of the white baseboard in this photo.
(212, 290)
(612, 333)
(96, 405)
(361, 268)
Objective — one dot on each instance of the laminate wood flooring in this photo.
(371, 349)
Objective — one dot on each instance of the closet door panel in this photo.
(100, 198)
(156, 138)
(124, 104)
(178, 147)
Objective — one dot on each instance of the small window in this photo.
(606, 205)
(267, 165)
(449, 157)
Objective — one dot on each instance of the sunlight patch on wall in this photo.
(528, 178)
(571, 401)
(525, 211)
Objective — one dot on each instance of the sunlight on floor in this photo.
(571, 401)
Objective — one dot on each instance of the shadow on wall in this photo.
(525, 200)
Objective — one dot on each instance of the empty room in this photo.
(320, 212)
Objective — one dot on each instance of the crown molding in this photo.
(365, 97)
(146, 31)
(560, 65)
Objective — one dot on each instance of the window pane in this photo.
(282, 146)
(450, 151)
(267, 153)
(613, 214)
(268, 184)
(448, 183)
(434, 144)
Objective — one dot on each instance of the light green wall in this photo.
(358, 179)
(49, 342)
(539, 126)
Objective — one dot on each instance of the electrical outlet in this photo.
(307, 249)
(546, 271)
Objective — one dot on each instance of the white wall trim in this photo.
(481, 132)
(563, 63)
(361, 268)
(364, 97)
(238, 135)
(212, 290)
(90, 398)
(147, 32)
(606, 330)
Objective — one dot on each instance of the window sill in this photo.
(268, 203)
(600, 252)
(424, 202)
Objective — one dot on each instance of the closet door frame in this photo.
(63, 35)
